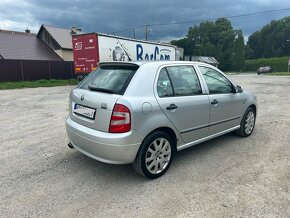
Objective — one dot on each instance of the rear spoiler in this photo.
(119, 63)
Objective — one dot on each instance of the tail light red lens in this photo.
(120, 119)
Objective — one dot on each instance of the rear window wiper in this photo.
(92, 88)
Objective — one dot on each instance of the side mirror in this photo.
(239, 89)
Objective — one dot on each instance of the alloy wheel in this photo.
(249, 122)
(158, 155)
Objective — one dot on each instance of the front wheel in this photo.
(247, 123)
(155, 155)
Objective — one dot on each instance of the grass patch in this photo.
(37, 83)
(279, 74)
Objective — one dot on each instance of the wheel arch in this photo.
(167, 130)
(254, 107)
(139, 162)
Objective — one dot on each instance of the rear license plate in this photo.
(84, 111)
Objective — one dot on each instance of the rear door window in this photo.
(164, 87)
(178, 81)
(110, 79)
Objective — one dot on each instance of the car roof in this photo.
(140, 63)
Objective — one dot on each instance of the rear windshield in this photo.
(109, 79)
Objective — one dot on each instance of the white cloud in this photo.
(18, 26)
(14, 3)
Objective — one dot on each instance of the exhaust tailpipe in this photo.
(70, 145)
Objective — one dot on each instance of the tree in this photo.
(239, 51)
(226, 37)
(217, 39)
(185, 44)
(254, 45)
(273, 40)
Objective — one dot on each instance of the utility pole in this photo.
(146, 32)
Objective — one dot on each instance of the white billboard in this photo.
(115, 49)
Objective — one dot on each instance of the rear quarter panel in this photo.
(146, 114)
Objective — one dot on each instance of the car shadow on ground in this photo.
(126, 172)
(206, 147)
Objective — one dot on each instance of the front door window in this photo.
(216, 82)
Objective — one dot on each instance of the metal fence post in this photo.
(72, 69)
(49, 73)
(22, 73)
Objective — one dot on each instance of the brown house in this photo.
(58, 39)
(24, 56)
(24, 46)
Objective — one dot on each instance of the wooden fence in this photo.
(17, 70)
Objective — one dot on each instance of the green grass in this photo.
(35, 84)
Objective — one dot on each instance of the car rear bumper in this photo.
(105, 147)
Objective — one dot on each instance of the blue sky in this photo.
(112, 16)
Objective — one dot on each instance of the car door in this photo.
(225, 103)
(180, 96)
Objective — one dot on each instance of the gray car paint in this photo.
(194, 121)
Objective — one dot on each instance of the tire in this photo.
(247, 123)
(155, 155)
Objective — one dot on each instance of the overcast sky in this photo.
(112, 16)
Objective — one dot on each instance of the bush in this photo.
(279, 64)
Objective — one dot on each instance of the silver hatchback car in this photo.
(143, 112)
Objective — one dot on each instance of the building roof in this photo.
(209, 60)
(24, 46)
(62, 36)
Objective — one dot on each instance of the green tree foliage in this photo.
(185, 44)
(217, 39)
(239, 51)
(273, 40)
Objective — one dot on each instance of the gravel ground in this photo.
(225, 177)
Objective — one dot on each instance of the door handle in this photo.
(171, 107)
(214, 101)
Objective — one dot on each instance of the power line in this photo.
(203, 20)
(129, 29)
(228, 17)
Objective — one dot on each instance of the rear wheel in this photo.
(247, 123)
(155, 155)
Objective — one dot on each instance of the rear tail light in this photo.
(120, 120)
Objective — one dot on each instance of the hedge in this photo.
(279, 64)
